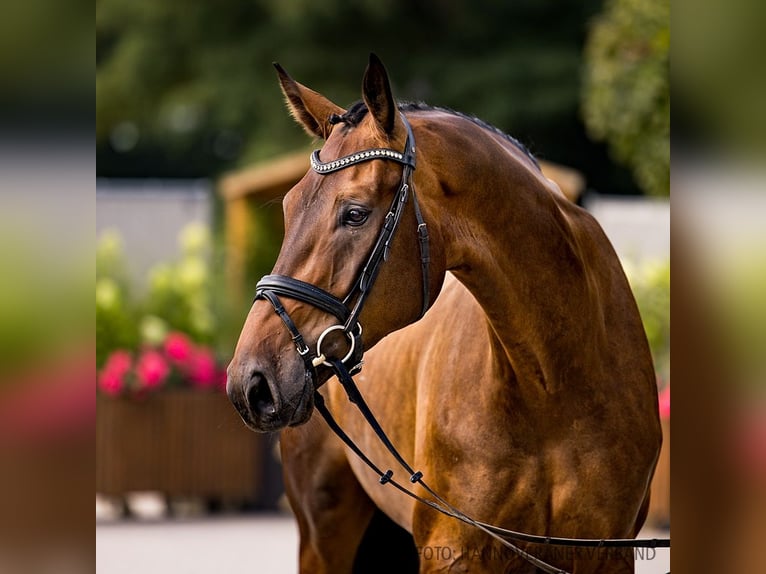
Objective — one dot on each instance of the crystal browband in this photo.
(377, 153)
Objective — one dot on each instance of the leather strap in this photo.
(302, 291)
(355, 397)
(300, 344)
(440, 504)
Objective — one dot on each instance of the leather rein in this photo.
(271, 287)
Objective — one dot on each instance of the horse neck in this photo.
(513, 241)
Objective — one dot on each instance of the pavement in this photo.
(252, 544)
(249, 543)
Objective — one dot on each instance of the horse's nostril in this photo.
(259, 396)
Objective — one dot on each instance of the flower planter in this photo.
(659, 504)
(178, 442)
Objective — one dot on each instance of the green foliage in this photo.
(715, 61)
(43, 301)
(194, 79)
(115, 314)
(651, 287)
(626, 91)
(45, 52)
(178, 297)
(181, 293)
(739, 308)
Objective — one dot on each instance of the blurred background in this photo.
(193, 150)
(191, 125)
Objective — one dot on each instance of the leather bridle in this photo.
(271, 287)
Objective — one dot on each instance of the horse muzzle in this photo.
(265, 402)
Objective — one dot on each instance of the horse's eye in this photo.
(355, 216)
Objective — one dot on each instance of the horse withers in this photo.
(525, 394)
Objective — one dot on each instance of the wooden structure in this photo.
(659, 505)
(183, 443)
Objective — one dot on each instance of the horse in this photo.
(503, 351)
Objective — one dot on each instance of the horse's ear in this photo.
(309, 108)
(376, 92)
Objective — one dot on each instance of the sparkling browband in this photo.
(378, 153)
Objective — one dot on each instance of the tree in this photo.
(626, 92)
(187, 88)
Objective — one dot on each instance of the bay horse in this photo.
(504, 354)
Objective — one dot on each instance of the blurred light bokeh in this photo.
(719, 307)
(47, 345)
(47, 349)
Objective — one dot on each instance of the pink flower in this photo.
(111, 379)
(221, 380)
(665, 403)
(750, 435)
(152, 369)
(178, 347)
(201, 368)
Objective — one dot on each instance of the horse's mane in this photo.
(358, 110)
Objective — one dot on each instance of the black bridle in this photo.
(271, 287)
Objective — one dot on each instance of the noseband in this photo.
(271, 287)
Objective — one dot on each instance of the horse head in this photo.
(340, 223)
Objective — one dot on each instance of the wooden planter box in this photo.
(181, 443)
(659, 504)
